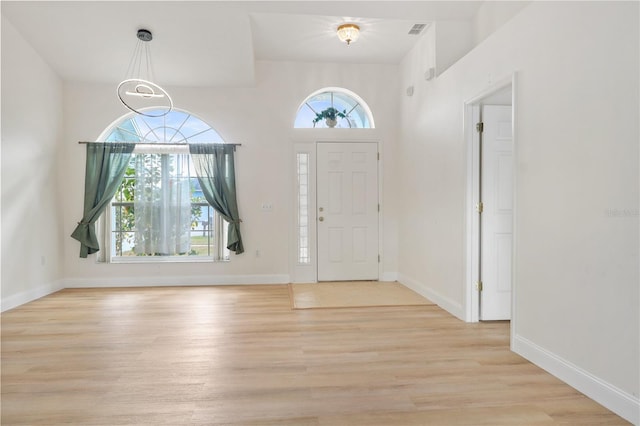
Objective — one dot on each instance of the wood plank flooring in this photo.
(239, 355)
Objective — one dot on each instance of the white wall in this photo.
(454, 39)
(31, 219)
(577, 223)
(491, 15)
(261, 119)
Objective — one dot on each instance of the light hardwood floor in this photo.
(240, 355)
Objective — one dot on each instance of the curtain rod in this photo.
(164, 143)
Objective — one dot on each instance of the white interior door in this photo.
(496, 242)
(347, 217)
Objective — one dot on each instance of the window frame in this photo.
(303, 203)
(331, 92)
(107, 223)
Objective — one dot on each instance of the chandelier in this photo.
(137, 91)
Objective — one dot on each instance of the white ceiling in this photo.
(215, 43)
(382, 40)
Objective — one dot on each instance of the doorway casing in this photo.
(308, 272)
(472, 109)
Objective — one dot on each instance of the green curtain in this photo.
(215, 167)
(105, 167)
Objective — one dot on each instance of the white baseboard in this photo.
(622, 403)
(389, 276)
(27, 296)
(164, 281)
(454, 308)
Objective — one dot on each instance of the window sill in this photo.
(167, 259)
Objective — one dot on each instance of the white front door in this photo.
(496, 242)
(347, 203)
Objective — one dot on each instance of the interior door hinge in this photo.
(378, 208)
(480, 127)
(479, 285)
(480, 207)
(378, 258)
(378, 156)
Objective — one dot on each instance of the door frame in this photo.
(308, 273)
(472, 223)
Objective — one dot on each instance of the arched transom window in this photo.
(321, 107)
(174, 127)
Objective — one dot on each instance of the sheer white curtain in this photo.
(162, 204)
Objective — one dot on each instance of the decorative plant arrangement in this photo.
(330, 115)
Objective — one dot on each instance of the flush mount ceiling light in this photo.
(138, 91)
(348, 33)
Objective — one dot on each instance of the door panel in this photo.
(347, 200)
(335, 192)
(497, 218)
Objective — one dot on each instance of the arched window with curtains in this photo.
(334, 107)
(166, 205)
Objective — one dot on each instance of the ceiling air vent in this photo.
(417, 29)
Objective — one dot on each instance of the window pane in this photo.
(202, 232)
(357, 116)
(303, 207)
(128, 239)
